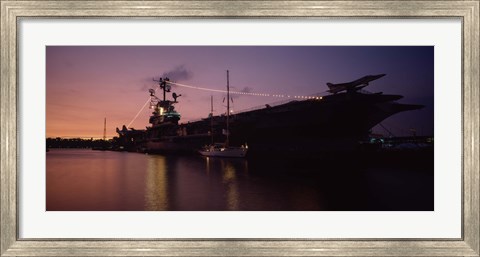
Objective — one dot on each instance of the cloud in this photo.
(179, 73)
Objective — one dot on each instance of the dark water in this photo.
(87, 180)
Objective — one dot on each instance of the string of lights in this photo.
(247, 93)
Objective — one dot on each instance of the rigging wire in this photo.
(138, 113)
(391, 134)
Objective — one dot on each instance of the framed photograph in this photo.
(253, 128)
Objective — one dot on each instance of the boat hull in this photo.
(225, 152)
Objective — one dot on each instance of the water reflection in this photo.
(207, 165)
(86, 180)
(156, 188)
(228, 178)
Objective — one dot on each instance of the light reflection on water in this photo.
(156, 189)
(98, 180)
(228, 178)
(101, 180)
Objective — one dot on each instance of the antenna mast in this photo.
(105, 129)
(228, 109)
(163, 85)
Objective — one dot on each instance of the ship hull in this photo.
(334, 123)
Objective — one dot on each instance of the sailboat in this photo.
(224, 149)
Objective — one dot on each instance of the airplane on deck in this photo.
(354, 85)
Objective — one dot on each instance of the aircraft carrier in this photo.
(333, 123)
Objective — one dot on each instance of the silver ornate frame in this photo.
(468, 245)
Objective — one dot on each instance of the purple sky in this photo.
(85, 84)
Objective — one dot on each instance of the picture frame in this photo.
(467, 245)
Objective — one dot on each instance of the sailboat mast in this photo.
(228, 109)
(211, 117)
